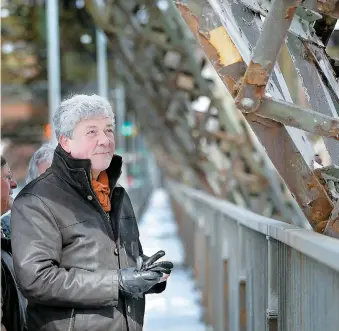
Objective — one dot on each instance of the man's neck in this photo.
(95, 174)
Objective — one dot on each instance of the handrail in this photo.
(257, 273)
(319, 247)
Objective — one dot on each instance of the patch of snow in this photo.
(177, 308)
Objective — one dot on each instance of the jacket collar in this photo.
(77, 171)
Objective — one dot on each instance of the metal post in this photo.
(53, 59)
(133, 138)
(120, 110)
(101, 43)
(272, 285)
(218, 282)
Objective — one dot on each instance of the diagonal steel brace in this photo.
(265, 54)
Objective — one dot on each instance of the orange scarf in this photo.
(101, 189)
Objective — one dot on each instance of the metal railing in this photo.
(257, 273)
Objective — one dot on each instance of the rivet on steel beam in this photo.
(247, 103)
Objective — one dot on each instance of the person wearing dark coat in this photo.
(75, 240)
(13, 304)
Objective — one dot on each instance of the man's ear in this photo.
(64, 142)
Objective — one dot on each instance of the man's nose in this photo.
(103, 139)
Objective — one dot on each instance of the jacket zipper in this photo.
(71, 321)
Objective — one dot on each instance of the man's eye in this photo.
(91, 133)
(109, 130)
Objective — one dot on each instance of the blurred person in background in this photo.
(39, 163)
(12, 302)
(75, 240)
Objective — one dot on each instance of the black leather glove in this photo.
(145, 263)
(135, 283)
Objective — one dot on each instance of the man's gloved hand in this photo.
(134, 283)
(145, 263)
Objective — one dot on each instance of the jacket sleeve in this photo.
(37, 248)
(157, 288)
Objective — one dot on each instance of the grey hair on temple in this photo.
(43, 155)
(77, 108)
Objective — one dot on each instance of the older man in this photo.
(75, 240)
(12, 303)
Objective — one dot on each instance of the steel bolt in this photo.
(247, 103)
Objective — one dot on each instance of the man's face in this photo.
(7, 186)
(92, 139)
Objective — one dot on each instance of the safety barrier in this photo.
(256, 273)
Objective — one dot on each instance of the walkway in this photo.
(176, 309)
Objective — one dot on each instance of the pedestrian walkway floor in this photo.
(176, 309)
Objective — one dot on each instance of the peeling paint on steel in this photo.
(218, 46)
(256, 74)
(309, 191)
(290, 11)
(321, 206)
(334, 130)
(193, 23)
(227, 52)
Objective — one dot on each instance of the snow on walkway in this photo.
(177, 308)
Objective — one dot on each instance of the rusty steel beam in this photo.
(265, 54)
(280, 143)
(289, 114)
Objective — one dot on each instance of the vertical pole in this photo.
(133, 138)
(118, 94)
(53, 59)
(101, 43)
(120, 111)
